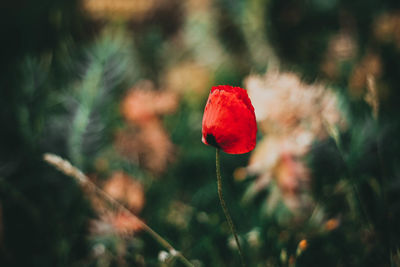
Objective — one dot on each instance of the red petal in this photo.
(239, 92)
(229, 121)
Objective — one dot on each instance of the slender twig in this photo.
(66, 167)
(224, 207)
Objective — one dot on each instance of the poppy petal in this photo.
(229, 121)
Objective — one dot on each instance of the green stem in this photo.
(223, 204)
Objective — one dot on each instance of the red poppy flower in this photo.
(229, 121)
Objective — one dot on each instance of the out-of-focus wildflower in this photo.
(180, 79)
(232, 243)
(148, 146)
(99, 249)
(145, 141)
(370, 65)
(290, 172)
(163, 256)
(110, 222)
(386, 28)
(341, 48)
(292, 260)
(292, 177)
(143, 103)
(126, 223)
(292, 115)
(283, 255)
(284, 104)
(332, 224)
(125, 189)
(253, 238)
(229, 121)
(111, 219)
(303, 244)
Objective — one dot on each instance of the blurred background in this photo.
(118, 88)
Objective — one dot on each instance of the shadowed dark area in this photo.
(211, 140)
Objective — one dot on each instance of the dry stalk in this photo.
(67, 168)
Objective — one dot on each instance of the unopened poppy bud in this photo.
(229, 121)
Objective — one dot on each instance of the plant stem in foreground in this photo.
(223, 204)
(66, 167)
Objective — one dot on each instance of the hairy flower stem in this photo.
(66, 167)
(223, 205)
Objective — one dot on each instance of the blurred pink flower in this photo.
(290, 172)
(291, 115)
(284, 104)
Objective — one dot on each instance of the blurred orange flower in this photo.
(126, 190)
(111, 219)
(332, 224)
(148, 146)
(303, 244)
(370, 65)
(144, 140)
(143, 103)
(113, 222)
(125, 223)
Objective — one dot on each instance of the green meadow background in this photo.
(118, 88)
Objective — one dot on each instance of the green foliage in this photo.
(63, 78)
